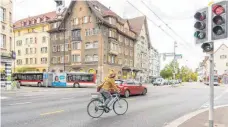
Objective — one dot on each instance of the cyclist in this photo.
(107, 86)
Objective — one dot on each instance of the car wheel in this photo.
(144, 91)
(126, 93)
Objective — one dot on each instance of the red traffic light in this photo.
(218, 9)
(200, 16)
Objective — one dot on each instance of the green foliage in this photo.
(184, 73)
(24, 69)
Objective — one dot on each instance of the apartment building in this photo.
(32, 43)
(6, 39)
(220, 63)
(141, 48)
(89, 37)
(154, 62)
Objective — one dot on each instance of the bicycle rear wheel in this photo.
(93, 108)
(120, 106)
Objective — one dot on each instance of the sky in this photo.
(177, 14)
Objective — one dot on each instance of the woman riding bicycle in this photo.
(107, 86)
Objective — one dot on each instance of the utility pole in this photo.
(174, 60)
(211, 106)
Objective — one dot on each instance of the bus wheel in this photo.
(76, 84)
(39, 84)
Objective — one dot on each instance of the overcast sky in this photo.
(178, 14)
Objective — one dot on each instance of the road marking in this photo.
(66, 98)
(205, 105)
(21, 103)
(54, 112)
(4, 98)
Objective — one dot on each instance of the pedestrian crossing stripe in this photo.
(4, 98)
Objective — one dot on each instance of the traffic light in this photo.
(207, 47)
(219, 20)
(201, 26)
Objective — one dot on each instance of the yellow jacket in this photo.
(109, 84)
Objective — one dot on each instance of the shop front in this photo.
(6, 64)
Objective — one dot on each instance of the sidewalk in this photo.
(201, 120)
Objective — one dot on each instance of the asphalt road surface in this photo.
(66, 107)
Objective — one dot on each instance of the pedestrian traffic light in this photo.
(207, 47)
(219, 20)
(201, 26)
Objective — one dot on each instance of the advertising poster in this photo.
(59, 80)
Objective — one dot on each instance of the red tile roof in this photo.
(137, 23)
(49, 15)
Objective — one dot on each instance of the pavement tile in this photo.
(201, 120)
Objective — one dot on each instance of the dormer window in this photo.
(41, 19)
(24, 23)
(97, 8)
(29, 22)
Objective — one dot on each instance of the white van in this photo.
(159, 81)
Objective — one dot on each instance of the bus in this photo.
(74, 79)
(29, 78)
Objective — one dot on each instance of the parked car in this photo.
(130, 87)
(159, 81)
(166, 82)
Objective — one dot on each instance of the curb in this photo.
(188, 116)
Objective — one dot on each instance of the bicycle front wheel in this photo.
(120, 106)
(93, 108)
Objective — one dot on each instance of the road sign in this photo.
(178, 56)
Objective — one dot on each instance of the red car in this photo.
(130, 87)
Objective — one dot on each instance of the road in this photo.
(66, 107)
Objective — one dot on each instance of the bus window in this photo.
(87, 78)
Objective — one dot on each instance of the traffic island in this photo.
(201, 120)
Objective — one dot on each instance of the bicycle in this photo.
(98, 101)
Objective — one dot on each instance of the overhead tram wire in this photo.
(152, 22)
(166, 24)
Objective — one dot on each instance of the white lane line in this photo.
(21, 103)
(4, 98)
(66, 98)
(205, 105)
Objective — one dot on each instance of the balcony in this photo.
(113, 47)
(114, 52)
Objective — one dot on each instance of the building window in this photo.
(43, 39)
(76, 58)
(76, 35)
(223, 56)
(95, 57)
(26, 51)
(88, 58)
(3, 40)
(18, 52)
(34, 50)
(2, 14)
(131, 43)
(131, 63)
(43, 60)
(95, 44)
(54, 60)
(43, 50)
(76, 45)
(61, 59)
(31, 51)
(112, 59)
(126, 41)
(35, 61)
(126, 51)
(131, 53)
(26, 60)
(88, 45)
(66, 58)
(54, 49)
(31, 61)
(85, 19)
(31, 40)
(76, 21)
(58, 48)
(19, 62)
(62, 48)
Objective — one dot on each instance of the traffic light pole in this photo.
(211, 106)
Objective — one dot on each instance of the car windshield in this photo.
(118, 82)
